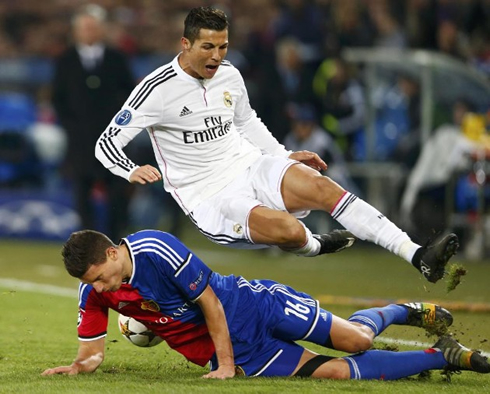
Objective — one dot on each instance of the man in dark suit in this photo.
(92, 81)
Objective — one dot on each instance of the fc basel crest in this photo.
(227, 99)
(150, 305)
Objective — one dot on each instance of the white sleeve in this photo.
(253, 129)
(124, 127)
(109, 150)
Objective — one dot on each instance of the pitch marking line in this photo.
(15, 284)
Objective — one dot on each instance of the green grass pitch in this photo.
(38, 323)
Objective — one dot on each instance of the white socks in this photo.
(367, 223)
(310, 248)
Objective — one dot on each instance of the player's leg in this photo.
(418, 314)
(299, 317)
(373, 364)
(373, 321)
(273, 227)
(272, 223)
(250, 213)
(304, 188)
(272, 357)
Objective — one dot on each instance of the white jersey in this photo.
(203, 131)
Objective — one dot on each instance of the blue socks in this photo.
(378, 319)
(387, 365)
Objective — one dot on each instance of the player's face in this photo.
(206, 53)
(107, 276)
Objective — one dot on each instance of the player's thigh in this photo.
(306, 189)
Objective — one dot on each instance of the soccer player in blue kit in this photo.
(237, 326)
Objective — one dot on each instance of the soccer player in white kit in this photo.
(239, 186)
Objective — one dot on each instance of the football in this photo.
(137, 333)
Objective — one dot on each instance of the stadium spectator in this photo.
(341, 102)
(91, 82)
(239, 186)
(407, 93)
(288, 80)
(446, 154)
(301, 19)
(239, 327)
(452, 41)
(421, 24)
(348, 25)
(390, 34)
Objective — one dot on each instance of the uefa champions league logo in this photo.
(123, 118)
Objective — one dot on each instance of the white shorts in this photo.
(223, 218)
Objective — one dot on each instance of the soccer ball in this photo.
(137, 333)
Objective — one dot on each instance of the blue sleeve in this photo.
(178, 263)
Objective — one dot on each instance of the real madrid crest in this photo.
(237, 228)
(227, 99)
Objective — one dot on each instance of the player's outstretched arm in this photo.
(90, 356)
(218, 330)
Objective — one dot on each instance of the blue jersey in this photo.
(166, 281)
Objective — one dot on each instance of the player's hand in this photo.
(223, 372)
(311, 159)
(66, 370)
(145, 174)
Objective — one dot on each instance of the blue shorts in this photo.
(268, 319)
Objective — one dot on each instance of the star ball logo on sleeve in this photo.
(123, 117)
(193, 285)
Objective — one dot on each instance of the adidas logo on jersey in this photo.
(185, 111)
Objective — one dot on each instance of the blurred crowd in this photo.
(281, 42)
(279, 45)
(289, 52)
(457, 27)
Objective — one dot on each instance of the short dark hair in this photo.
(83, 249)
(204, 18)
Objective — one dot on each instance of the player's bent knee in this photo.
(328, 189)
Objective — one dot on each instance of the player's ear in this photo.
(111, 253)
(186, 44)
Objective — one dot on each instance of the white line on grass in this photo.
(424, 345)
(15, 284)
